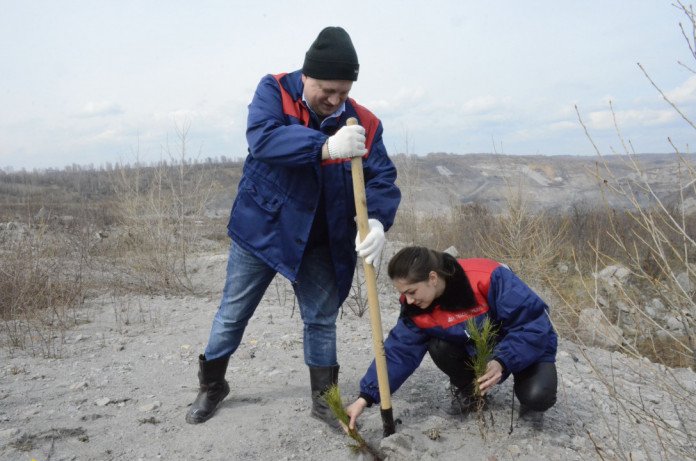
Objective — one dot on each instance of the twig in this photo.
(596, 447)
(674, 106)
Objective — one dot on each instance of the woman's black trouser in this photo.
(535, 386)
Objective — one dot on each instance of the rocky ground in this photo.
(127, 373)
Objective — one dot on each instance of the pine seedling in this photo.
(484, 343)
(332, 396)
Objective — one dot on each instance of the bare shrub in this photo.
(129, 310)
(163, 212)
(357, 297)
(657, 250)
(524, 240)
(357, 300)
(41, 284)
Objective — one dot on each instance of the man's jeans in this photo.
(247, 279)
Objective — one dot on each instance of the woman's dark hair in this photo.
(414, 264)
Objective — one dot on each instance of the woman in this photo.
(438, 295)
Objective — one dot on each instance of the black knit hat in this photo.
(332, 56)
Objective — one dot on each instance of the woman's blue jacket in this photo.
(525, 334)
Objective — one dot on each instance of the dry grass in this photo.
(41, 284)
(66, 234)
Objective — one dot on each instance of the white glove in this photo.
(371, 247)
(348, 142)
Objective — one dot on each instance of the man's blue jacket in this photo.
(284, 178)
(525, 334)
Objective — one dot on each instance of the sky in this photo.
(95, 82)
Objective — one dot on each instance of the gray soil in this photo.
(127, 375)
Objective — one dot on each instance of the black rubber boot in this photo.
(533, 417)
(214, 388)
(320, 379)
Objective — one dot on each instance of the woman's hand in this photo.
(494, 371)
(354, 410)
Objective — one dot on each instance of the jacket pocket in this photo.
(265, 197)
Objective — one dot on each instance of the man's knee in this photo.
(320, 318)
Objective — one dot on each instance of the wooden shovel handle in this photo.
(359, 190)
(372, 295)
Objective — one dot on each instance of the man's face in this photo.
(325, 96)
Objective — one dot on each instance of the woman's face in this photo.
(421, 294)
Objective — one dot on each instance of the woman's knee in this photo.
(451, 359)
(536, 387)
(444, 352)
(537, 398)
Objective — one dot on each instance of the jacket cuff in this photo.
(368, 398)
(502, 364)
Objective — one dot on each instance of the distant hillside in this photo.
(431, 183)
(554, 183)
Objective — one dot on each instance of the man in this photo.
(294, 212)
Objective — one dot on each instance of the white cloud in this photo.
(100, 109)
(686, 92)
(404, 99)
(482, 104)
(563, 125)
(106, 136)
(604, 120)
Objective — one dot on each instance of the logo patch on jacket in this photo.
(446, 319)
